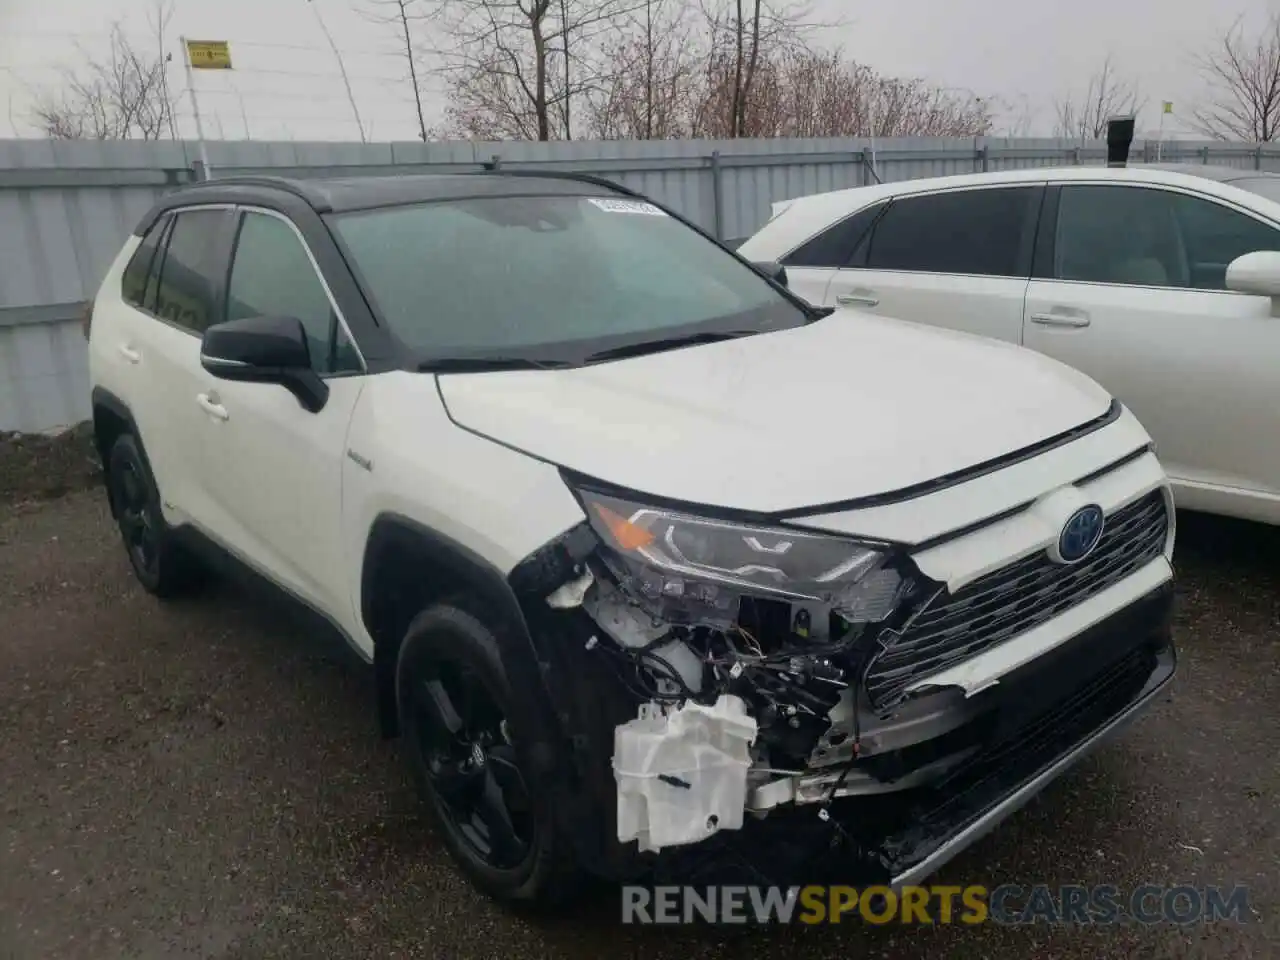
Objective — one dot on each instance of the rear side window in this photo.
(977, 232)
(835, 246)
(185, 292)
(142, 267)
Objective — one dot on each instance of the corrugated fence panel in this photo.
(65, 207)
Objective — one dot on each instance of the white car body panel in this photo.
(876, 406)
(1195, 366)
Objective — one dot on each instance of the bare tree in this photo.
(1108, 94)
(519, 68)
(404, 17)
(122, 94)
(656, 57)
(1243, 76)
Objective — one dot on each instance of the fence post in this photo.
(1204, 155)
(1075, 156)
(981, 156)
(199, 171)
(1257, 157)
(717, 197)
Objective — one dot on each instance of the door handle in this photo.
(1061, 319)
(210, 406)
(130, 354)
(857, 300)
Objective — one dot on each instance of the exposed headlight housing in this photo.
(677, 563)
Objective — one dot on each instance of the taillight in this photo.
(86, 318)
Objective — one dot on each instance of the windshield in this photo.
(551, 277)
(1268, 187)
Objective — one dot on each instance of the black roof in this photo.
(344, 194)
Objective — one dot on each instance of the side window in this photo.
(272, 276)
(1118, 234)
(142, 268)
(185, 290)
(835, 246)
(978, 232)
(1214, 235)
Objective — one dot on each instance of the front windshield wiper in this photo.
(666, 343)
(482, 364)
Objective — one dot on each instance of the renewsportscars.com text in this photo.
(1010, 904)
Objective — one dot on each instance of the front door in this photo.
(274, 469)
(1133, 295)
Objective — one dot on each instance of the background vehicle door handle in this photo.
(1061, 319)
(857, 300)
(130, 354)
(211, 407)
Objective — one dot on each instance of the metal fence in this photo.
(65, 208)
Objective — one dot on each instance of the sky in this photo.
(286, 85)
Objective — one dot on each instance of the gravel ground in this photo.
(197, 780)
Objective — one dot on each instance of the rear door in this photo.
(815, 263)
(1130, 290)
(160, 345)
(958, 258)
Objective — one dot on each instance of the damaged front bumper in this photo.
(918, 803)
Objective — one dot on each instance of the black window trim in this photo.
(1026, 243)
(243, 208)
(882, 202)
(1048, 232)
(165, 223)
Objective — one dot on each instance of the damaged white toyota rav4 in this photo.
(661, 571)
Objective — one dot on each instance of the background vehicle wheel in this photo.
(161, 565)
(452, 695)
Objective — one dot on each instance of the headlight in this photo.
(676, 556)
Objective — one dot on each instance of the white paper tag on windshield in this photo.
(626, 206)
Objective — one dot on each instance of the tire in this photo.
(159, 562)
(446, 648)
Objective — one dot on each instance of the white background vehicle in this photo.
(1120, 272)
(587, 489)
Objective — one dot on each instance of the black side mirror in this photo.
(773, 270)
(265, 350)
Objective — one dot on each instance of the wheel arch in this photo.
(112, 419)
(408, 566)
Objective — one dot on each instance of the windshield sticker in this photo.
(626, 206)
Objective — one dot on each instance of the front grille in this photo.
(1015, 599)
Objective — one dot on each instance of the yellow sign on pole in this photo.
(1168, 106)
(209, 54)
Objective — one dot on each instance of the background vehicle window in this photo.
(143, 267)
(272, 276)
(835, 246)
(494, 275)
(1150, 237)
(184, 294)
(1215, 235)
(966, 231)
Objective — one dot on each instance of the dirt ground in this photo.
(38, 467)
(199, 779)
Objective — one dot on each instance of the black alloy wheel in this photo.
(460, 734)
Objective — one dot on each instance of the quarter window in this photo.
(185, 291)
(835, 246)
(1150, 237)
(978, 232)
(140, 273)
(272, 276)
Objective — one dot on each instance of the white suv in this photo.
(654, 563)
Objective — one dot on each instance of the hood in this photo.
(850, 406)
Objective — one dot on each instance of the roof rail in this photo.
(562, 175)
